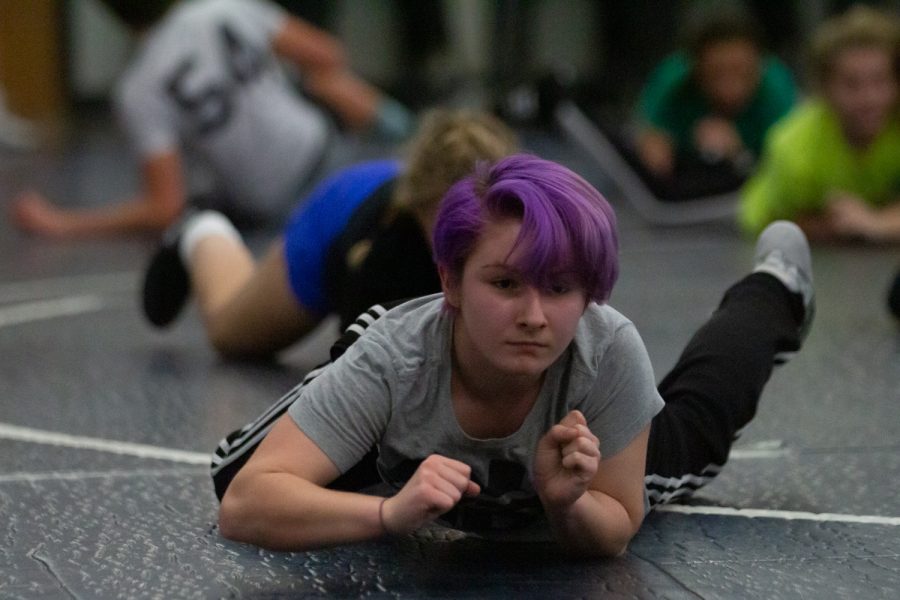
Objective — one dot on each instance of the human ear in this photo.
(450, 286)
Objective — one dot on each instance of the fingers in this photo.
(566, 461)
(581, 454)
(572, 425)
(447, 476)
(443, 482)
(574, 417)
(579, 447)
(437, 485)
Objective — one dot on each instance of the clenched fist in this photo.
(566, 461)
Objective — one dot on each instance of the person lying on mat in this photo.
(704, 111)
(833, 165)
(517, 397)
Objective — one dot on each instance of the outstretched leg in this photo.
(714, 388)
(248, 309)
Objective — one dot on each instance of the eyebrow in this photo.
(499, 266)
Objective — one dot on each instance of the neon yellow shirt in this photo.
(806, 157)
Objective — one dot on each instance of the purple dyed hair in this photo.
(567, 225)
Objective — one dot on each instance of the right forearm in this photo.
(279, 511)
(137, 214)
(596, 525)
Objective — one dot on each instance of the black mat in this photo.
(110, 511)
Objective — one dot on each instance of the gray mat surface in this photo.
(112, 512)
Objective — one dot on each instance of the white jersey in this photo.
(205, 79)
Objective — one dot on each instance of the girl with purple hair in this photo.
(517, 399)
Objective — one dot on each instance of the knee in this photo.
(230, 340)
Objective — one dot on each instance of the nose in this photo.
(531, 311)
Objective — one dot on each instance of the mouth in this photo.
(528, 345)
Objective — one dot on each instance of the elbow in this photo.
(608, 549)
(616, 545)
(616, 550)
(242, 519)
(231, 518)
(607, 544)
(239, 519)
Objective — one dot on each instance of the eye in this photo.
(560, 286)
(504, 283)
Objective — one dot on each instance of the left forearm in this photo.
(327, 76)
(353, 99)
(596, 524)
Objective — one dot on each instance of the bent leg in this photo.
(714, 388)
(249, 310)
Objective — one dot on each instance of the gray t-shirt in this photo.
(205, 80)
(391, 389)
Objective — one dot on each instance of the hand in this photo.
(30, 211)
(437, 486)
(850, 217)
(656, 152)
(717, 139)
(566, 460)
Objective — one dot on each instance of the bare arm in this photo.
(159, 203)
(851, 217)
(278, 500)
(321, 59)
(594, 507)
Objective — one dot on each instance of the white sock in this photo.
(201, 226)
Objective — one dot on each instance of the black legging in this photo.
(713, 390)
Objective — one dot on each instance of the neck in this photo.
(857, 140)
(490, 407)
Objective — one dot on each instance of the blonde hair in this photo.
(446, 148)
(859, 27)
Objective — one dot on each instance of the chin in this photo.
(870, 125)
(525, 367)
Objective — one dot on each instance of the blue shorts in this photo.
(321, 218)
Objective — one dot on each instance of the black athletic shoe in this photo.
(166, 283)
(893, 300)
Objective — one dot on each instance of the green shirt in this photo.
(672, 102)
(807, 157)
